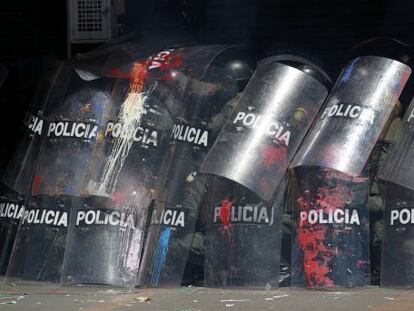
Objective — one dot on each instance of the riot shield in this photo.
(104, 241)
(331, 213)
(125, 166)
(40, 241)
(398, 240)
(181, 190)
(18, 174)
(72, 132)
(331, 239)
(252, 153)
(398, 166)
(243, 237)
(11, 211)
(123, 178)
(354, 115)
(275, 112)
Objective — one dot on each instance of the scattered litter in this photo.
(101, 301)
(389, 298)
(6, 296)
(337, 297)
(229, 305)
(38, 303)
(234, 300)
(280, 296)
(268, 286)
(143, 298)
(67, 295)
(269, 299)
(128, 305)
(195, 301)
(13, 302)
(12, 284)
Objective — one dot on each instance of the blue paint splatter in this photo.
(160, 256)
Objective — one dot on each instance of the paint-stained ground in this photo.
(35, 297)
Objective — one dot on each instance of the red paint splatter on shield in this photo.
(37, 182)
(141, 72)
(275, 155)
(225, 213)
(118, 197)
(330, 191)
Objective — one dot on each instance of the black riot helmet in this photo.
(238, 63)
(384, 47)
(303, 58)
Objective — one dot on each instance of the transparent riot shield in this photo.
(252, 153)
(18, 174)
(331, 236)
(398, 168)
(72, 132)
(11, 211)
(331, 214)
(40, 241)
(272, 118)
(124, 168)
(181, 191)
(354, 115)
(104, 241)
(243, 237)
(106, 249)
(398, 240)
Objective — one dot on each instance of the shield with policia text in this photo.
(18, 174)
(11, 211)
(398, 239)
(74, 117)
(40, 241)
(248, 162)
(105, 237)
(73, 130)
(205, 101)
(106, 233)
(331, 242)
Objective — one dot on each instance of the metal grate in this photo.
(89, 20)
(89, 15)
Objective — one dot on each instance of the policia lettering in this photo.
(274, 129)
(11, 210)
(190, 134)
(333, 216)
(349, 111)
(112, 218)
(145, 135)
(33, 123)
(82, 130)
(403, 216)
(171, 217)
(72, 130)
(245, 214)
(45, 217)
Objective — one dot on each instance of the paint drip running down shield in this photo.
(130, 115)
